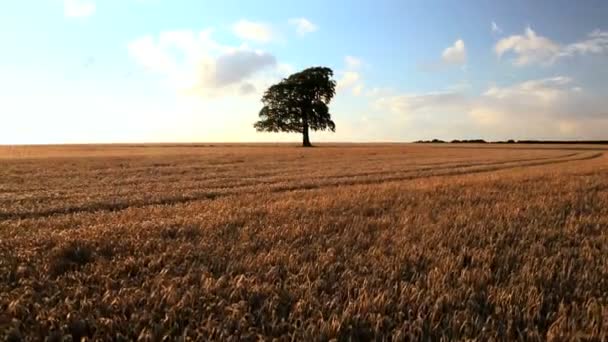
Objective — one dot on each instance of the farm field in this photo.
(341, 241)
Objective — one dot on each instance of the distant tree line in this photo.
(438, 141)
(595, 142)
(511, 141)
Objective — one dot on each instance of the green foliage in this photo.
(299, 103)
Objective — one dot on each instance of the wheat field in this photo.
(339, 242)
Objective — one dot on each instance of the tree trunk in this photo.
(306, 139)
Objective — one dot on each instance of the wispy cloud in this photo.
(531, 48)
(455, 54)
(415, 103)
(495, 28)
(352, 62)
(351, 78)
(596, 42)
(303, 26)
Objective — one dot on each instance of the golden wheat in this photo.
(347, 242)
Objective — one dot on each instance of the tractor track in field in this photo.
(265, 178)
(463, 169)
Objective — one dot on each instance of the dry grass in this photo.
(347, 242)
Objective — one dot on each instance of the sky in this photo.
(107, 71)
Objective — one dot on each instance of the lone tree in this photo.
(299, 103)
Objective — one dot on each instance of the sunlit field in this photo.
(346, 242)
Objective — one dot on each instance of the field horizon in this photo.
(64, 149)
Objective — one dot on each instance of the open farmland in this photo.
(354, 242)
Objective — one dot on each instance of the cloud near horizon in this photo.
(550, 108)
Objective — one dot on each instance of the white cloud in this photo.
(542, 91)
(525, 98)
(195, 63)
(531, 48)
(78, 8)
(352, 62)
(596, 42)
(455, 54)
(239, 64)
(303, 26)
(534, 108)
(495, 28)
(549, 107)
(253, 31)
(351, 78)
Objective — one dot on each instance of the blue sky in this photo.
(156, 70)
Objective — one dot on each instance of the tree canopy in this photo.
(299, 103)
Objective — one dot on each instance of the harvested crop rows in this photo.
(344, 241)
